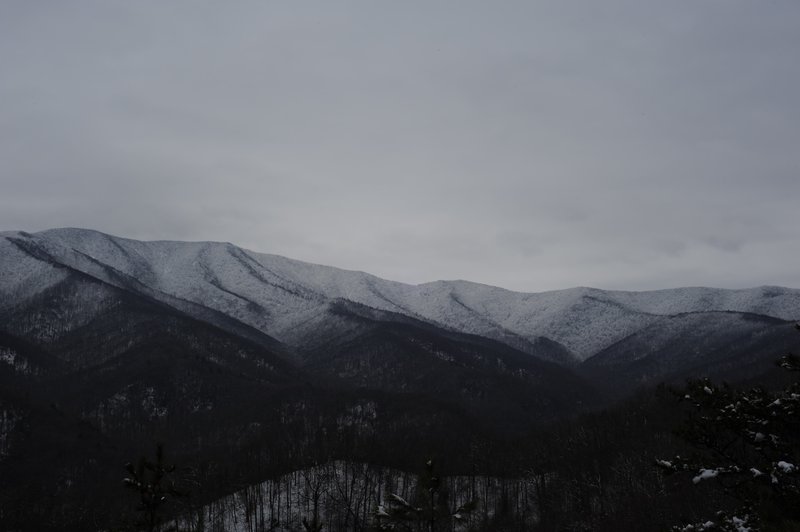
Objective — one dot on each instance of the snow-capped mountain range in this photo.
(290, 300)
(236, 357)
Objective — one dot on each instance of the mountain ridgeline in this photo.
(256, 364)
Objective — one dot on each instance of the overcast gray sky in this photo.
(531, 145)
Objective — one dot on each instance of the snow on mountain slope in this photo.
(23, 275)
(585, 320)
(279, 295)
(726, 345)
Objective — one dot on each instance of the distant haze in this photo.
(531, 145)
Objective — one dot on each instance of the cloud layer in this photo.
(615, 144)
